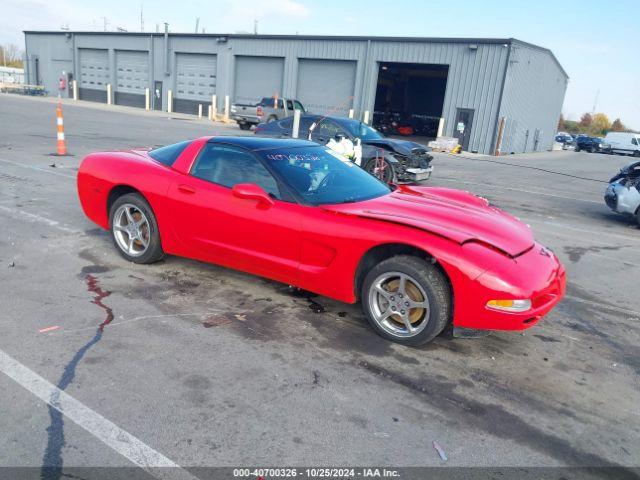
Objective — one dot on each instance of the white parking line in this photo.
(50, 170)
(107, 432)
(21, 214)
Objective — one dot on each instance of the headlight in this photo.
(514, 306)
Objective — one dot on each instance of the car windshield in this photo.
(321, 176)
(362, 131)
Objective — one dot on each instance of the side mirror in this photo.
(251, 191)
(338, 137)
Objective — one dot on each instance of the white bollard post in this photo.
(296, 124)
(366, 117)
(75, 89)
(440, 127)
(200, 111)
(147, 99)
(210, 113)
(351, 113)
(109, 99)
(169, 101)
(214, 108)
(226, 108)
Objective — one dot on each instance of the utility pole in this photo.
(197, 23)
(105, 21)
(595, 102)
(255, 27)
(141, 18)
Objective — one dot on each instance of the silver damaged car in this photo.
(623, 192)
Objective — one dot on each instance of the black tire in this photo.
(386, 174)
(576, 149)
(245, 126)
(592, 149)
(153, 251)
(432, 281)
(272, 118)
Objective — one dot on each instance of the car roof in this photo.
(330, 117)
(262, 143)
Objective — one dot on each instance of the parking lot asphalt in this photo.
(211, 367)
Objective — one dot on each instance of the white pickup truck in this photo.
(267, 110)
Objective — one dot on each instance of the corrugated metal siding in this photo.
(474, 81)
(532, 100)
(533, 95)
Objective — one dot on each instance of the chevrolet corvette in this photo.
(419, 259)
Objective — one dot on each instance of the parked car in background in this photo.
(418, 258)
(623, 192)
(269, 109)
(623, 143)
(388, 159)
(589, 144)
(563, 137)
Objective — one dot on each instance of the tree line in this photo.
(596, 125)
(10, 56)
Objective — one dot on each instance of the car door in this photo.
(216, 226)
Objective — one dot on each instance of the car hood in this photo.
(453, 214)
(403, 147)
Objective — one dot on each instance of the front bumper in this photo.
(418, 174)
(245, 119)
(537, 275)
(622, 198)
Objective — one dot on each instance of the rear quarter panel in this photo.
(100, 173)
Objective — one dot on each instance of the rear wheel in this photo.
(245, 126)
(592, 149)
(134, 229)
(381, 168)
(577, 149)
(407, 300)
(272, 118)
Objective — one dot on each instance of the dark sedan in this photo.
(589, 144)
(388, 159)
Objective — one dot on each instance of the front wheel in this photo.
(381, 168)
(407, 300)
(245, 126)
(134, 229)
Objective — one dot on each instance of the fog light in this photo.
(509, 305)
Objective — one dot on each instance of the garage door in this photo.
(326, 86)
(132, 77)
(94, 74)
(257, 77)
(195, 81)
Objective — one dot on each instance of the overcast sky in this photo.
(596, 42)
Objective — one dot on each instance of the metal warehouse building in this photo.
(485, 90)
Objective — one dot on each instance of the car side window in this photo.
(298, 106)
(328, 129)
(289, 105)
(280, 103)
(634, 141)
(228, 166)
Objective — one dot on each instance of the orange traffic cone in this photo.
(62, 143)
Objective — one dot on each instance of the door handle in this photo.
(186, 189)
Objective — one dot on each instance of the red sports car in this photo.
(418, 258)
